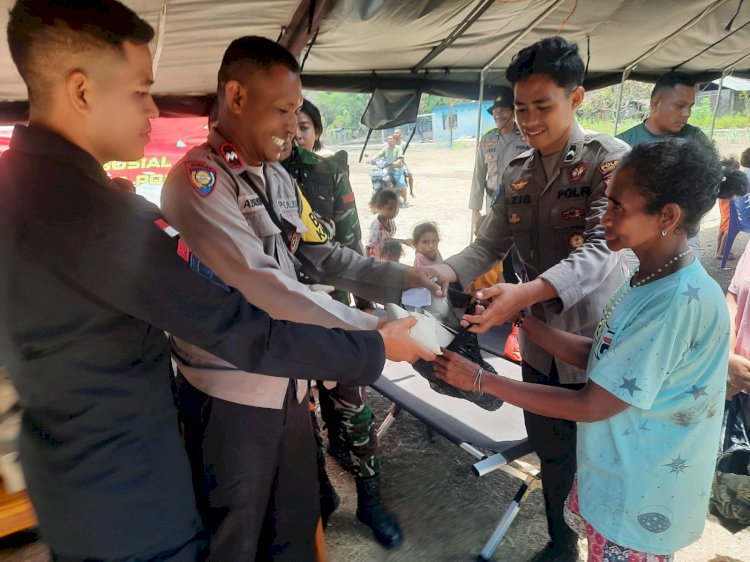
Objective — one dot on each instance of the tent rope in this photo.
(565, 21)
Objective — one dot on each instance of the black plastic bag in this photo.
(730, 494)
(465, 344)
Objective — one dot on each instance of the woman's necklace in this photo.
(626, 287)
(648, 278)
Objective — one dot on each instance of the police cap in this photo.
(504, 99)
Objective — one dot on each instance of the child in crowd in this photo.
(391, 250)
(734, 185)
(385, 204)
(425, 240)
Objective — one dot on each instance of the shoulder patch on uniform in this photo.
(229, 153)
(606, 168)
(607, 142)
(348, 198)
(201, 176)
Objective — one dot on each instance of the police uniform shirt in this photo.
(221, 206)
(554, 224)
(494, 153)
(95, 277)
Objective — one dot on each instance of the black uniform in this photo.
(94, 277)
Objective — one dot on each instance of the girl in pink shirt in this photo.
(385, 204)
(425, 240)
(738, 301)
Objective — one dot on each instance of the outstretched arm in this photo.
(571, 348)
(591, 403)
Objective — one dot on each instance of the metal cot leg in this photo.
(388, 421)
(528, 486)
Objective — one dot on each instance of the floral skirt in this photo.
(602, 549)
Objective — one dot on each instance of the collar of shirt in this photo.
(257, 173)
(572, 153)
(49, 145)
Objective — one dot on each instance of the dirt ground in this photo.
(446, 512)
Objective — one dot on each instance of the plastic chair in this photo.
(739, 221)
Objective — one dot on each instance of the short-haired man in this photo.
(242, 214)
(550, 203)
(91, 279)
(672, 100)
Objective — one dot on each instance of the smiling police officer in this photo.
(551, 201)
(93, 276)
(243, 215)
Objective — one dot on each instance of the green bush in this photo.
(607, 127)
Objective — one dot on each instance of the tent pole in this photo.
(482, 76)
(674, 34)
(724, 73)
(460, 29)
(625, 74)
(364, 146)
(159, 36)
(481, 101)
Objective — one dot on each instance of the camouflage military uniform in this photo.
(349, 420)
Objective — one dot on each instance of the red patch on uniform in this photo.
(230, 155)
(183, 251)
(348, 198)
(606, 168)
(573, 214)
(294, 241)
(577, 172)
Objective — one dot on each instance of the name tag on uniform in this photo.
(249, 204)
(287, 205)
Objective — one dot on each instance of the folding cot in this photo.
(496, 439)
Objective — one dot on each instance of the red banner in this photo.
(171, 138)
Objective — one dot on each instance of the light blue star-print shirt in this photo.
(644, 475)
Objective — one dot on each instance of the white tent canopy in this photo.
(438, 46)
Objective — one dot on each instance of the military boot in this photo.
(372, 512)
